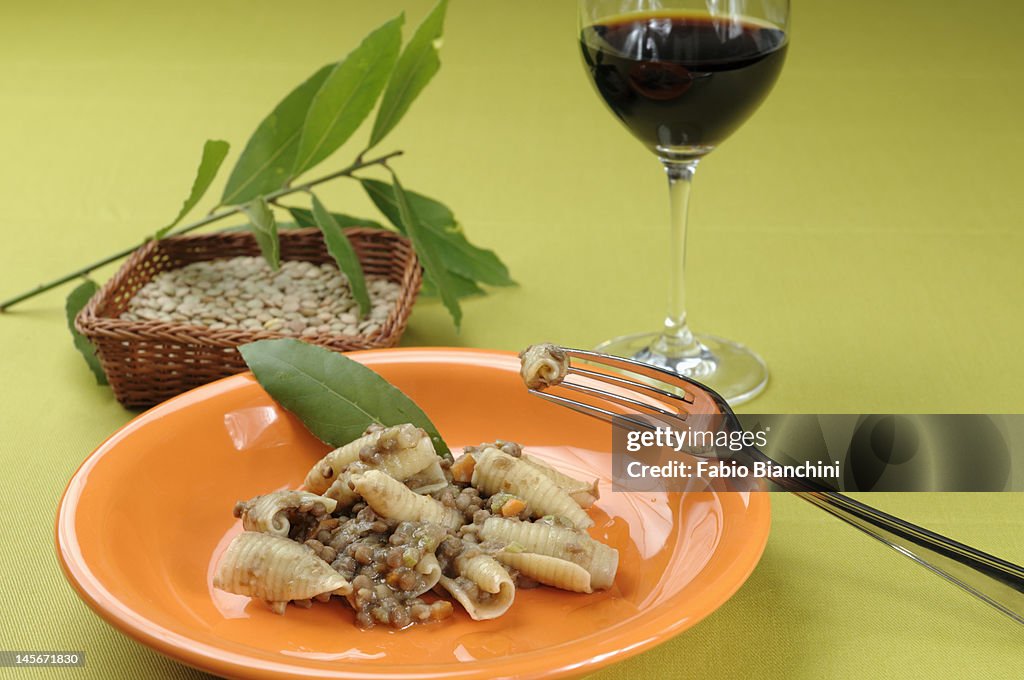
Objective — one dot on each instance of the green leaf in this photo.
(76, 301)
(348, 95)
(417, 65)
(457, 253)
(269, 156)
(429, 255)
(214, 152)
(428, 210)
(461, 287)
(264, 228)
(304, 218)
(334, 396)
(343, 253)
(470, 261)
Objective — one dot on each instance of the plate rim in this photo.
(205, 657)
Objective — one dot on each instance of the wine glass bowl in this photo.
(681, 81)
(682, 76)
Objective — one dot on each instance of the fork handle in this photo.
(992, 580)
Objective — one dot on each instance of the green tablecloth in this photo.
(862, 232)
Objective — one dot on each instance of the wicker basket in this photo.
(147, 362)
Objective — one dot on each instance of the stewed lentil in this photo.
(394, 566)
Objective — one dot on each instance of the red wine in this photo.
(682, 83)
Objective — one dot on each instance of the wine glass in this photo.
(682, 75)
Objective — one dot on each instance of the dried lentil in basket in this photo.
(302, 299)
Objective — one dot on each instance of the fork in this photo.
(991, 579)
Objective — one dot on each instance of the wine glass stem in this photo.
(676, 339)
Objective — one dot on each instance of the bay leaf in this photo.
(426, 249)
(214, 152)
(335, 397)
(264, 228)
(460, 285)
(415, 68)
(268, 158)
(383, 196)
(304, 218)
(456, 252)
(470, 261)
(343, 253)
(348, 95)
(76, 301)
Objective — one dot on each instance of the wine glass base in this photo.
(727, 367)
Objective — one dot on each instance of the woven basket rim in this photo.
(92, 324)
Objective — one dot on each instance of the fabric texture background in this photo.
(862, 232)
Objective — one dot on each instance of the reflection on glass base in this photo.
(727, 367)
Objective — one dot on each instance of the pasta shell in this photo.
(600, 560)
(404, 461)
(429, 479)
(390, 498)
(584, 493)
(429, 567)
(275, 570)
(548, 570)
(543, 365)
(340, 492)
(269, 513)
(498, 472)
(488, 576)
(402, 452)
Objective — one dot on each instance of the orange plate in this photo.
(144, 519)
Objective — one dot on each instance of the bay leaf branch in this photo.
(217, 216)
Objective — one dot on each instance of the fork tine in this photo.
(630, 384)
(624, 401)
(587, 409)
(633, 366)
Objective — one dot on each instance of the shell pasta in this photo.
(275, 512)
(550, 571)
(276, 570)
(497, 472)
(391, 499)
(584, 493)
(401, 452)
(563, 543)
(482, 586)
(401, 533)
